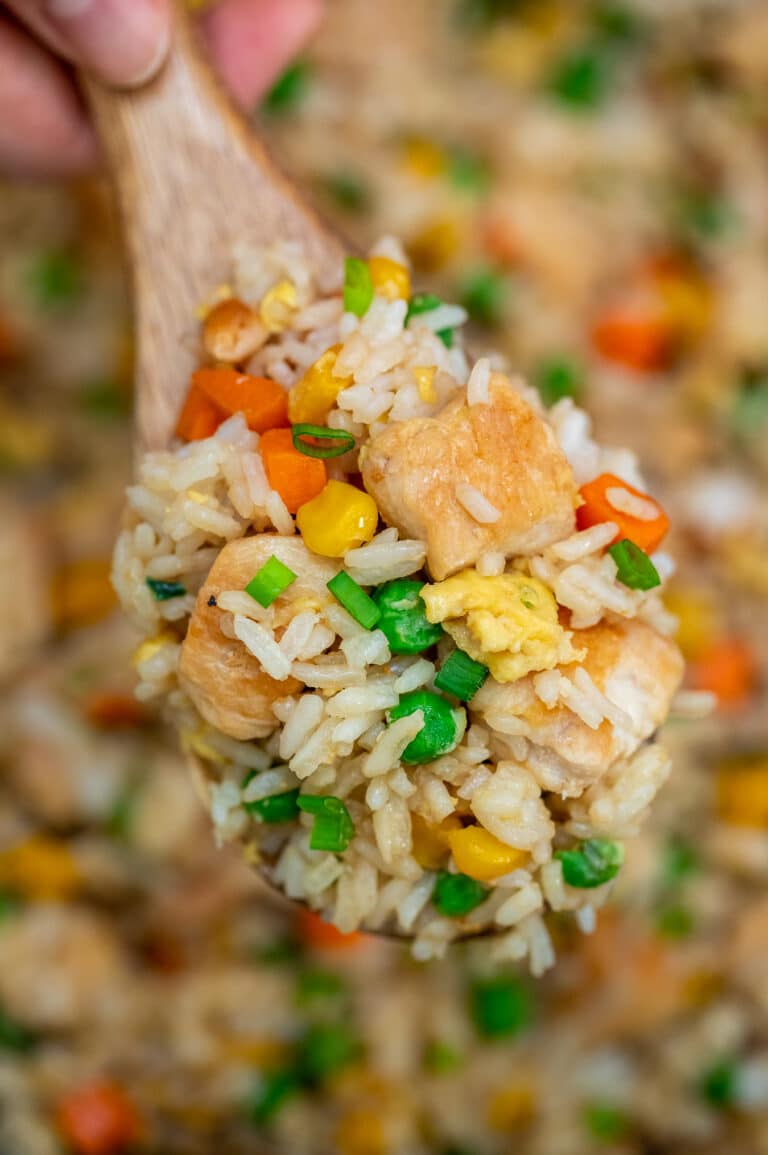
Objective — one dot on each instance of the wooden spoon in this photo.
(192, 179)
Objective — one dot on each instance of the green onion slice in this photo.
(427, 303)
(592, 863)
(634, 568)
(461, 676)
(358, 286)
(457, 894)
(274, 809)
(333, 828)
(355, 600)
(305, 438)
(164, 591)
(270, 581)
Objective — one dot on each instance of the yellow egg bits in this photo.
(509, 622)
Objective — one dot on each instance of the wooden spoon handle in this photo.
(192, 179)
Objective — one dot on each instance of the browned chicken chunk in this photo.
(416, 471)
(634, 666)
(225, 682)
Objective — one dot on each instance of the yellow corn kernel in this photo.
(687, 303)
(82, 593)
(425, 382)
(390, 279)
(194, 742)
(149, 648)
(742, 792)
(264, 1052)
(511, 1107)
(341, 517)
(481, 855)
(278, 306)
(311, 398)
(436, 244)
(40, 868)
(697, 619)
(429, 844)
(361, 1132)
(423, 158)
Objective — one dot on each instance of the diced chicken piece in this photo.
(636, 668)
(62, 966)
(226, 683)
(503, 449)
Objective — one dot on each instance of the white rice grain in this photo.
(478, 392)
(263, 646)
(476, 503)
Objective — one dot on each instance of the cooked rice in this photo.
(334, 736)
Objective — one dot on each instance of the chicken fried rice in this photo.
(408, 619)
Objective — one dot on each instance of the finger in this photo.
(123, 42)
(251, 41)
(43, 129)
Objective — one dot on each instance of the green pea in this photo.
(440, 732)
(404, 617)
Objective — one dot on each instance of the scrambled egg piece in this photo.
(508, 622)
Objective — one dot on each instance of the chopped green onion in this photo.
(55, 279)
(749, 412)
(580, 80)
(457, 894)
(164, 591)
(718, 1085)
(593, 862)
(338, 441)
(275, 1088)
(314, 983)
(404, 617)
(289, 89)
(634, 568)
(606, 1122)
(326, 1049)
(105, 400)
(10, 904)
(427, 303)
(557, 379)
(705, 215)
(358, 286)
(441, 1058)
(278, 952)
(461, 676)
(679, 860)
(617, 23)
(349, 190)
(500, 1006)
(468, 172)
(483, 294)
(14, 1036)
(355, 600)
(674, 922)
(270, 581)
(275, 808)
(121, 817)
(333, 829)
(440, 731)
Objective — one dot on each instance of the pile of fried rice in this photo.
(457, 735)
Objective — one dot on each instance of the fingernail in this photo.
(123, 41)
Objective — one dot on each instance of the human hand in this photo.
(44, 129)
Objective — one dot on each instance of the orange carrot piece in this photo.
(296, 477)
(115, 711)
(199, 418)
(98, 1119)
(637, 341)
(320, 935)
(262, 401)
(727, 669)
(597, 508)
